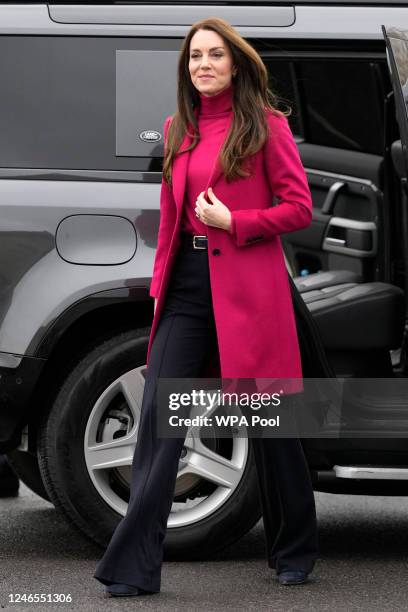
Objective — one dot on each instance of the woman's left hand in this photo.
(215, 214)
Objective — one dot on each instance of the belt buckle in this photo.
(196, 246)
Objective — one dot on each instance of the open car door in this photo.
(396, 41)
(397, 56)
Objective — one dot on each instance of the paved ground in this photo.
(363, 564)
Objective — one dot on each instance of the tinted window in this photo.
(342, 105)
(335, 102)
(81, 103)
(58, 106)
(281, 82)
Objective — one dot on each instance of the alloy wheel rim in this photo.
(109, 443)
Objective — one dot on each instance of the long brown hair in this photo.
(251, 95)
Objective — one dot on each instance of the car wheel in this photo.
(85, 450)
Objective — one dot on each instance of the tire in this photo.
(25, 465)
(96, 405)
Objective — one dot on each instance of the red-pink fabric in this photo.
(213, 119)
(252, 303)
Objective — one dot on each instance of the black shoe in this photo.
(124, 590)
(292, 577)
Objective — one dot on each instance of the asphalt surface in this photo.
(363, 564)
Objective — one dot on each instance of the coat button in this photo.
(216, 251)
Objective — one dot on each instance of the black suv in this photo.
(85, 91)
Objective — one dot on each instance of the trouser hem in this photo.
(140, 583)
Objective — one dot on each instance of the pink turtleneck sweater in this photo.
(212, 123)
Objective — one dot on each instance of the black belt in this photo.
(193, 241)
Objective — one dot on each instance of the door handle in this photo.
(332, 195)
(335, 241)
(339, 245)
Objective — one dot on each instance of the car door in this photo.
(396, 41)
(397, 57)
(337, 100)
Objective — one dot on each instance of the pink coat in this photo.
(252, 302)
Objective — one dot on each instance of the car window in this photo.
(282, 83)
(84, 102)
(67, 102)
(335, 103)
(342, 104)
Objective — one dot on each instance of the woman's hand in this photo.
(155, 304)
(215, 214)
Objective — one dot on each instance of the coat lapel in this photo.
(180, 165)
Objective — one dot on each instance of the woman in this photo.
(220, 284)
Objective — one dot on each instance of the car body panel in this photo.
(322, 21)
(37, 195)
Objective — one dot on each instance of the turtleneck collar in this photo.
(218, 104)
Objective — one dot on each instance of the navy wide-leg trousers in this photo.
(184, 338)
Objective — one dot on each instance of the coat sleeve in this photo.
(288, 182)
(165, 229)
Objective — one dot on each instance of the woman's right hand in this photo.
(154, 307)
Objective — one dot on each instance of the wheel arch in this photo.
(84, 325)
